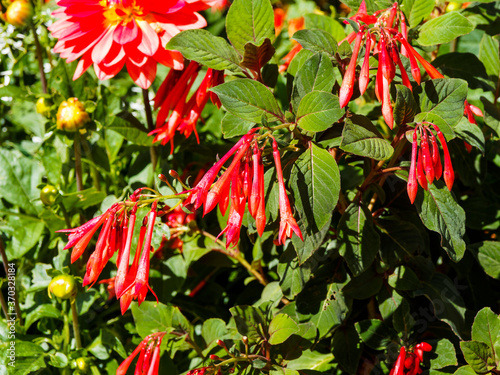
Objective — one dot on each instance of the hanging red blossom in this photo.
(112, 33)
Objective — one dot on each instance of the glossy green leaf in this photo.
(444, 98)
(446, 355)
(315, 179)
(233, 126)
(281, 328)
(359, 242)
(42, 311)
(312, 360)
(477, 354)
(417, 10)
(360, 137)
(444, 29)
(489, 55)
(153, 317)
(203, 47)
(248, 100)
(249, 21)
(447, 303)
(316, 40)
(470, 133)
(346, 347)
(293, 276)
(325, 23)
(130, 132)
(442, 214)
(213, 329)
(486, 327)
(316, 74)
(488, 255)
(465, 370)
(405, 108)
(250, 322)
(375, 333)
(26, 232)
(318, 110)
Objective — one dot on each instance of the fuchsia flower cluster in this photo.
(149, 356)
(242, 182)
(408, 361)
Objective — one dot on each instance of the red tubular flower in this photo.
(254, 198)
(110, 287)
(287, 222)
(408, 361)
(363, 16)
(123, 261)
(112, 33)
(365, 69)
(426, 158)
(294, 25)
(348, 82)
(436, 158)
(448, 173)
(149, 358)
(412, 186)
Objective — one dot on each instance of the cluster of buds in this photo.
(426, 160)
(177, 113)
(408, 362)
(117, 229)
(242, 182)
(385, 34)
(149, 358)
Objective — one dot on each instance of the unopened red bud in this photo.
(213, 357)
(245, 340)
(408, 363)
(221, 343)
(71, 115)
(425, 346)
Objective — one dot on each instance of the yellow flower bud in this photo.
(63, 286)
(18, 13)
(71, 115)
(43, 106)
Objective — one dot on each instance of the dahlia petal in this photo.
(172, 59)
(143, 76)
(150, 40)
(127, 33)
(102, 48)
(82, 66)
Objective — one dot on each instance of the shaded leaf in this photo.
(255, 57)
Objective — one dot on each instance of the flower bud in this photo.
(43, 106)
(48, 195)
(82, 365)
(18, 13)
(63, 286)
(71, 115)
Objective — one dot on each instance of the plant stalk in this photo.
(76, 327)
(149, 119)
(78, 162)
(39, 57)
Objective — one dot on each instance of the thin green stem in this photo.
(4, 306)
(39, 57)
(78, 162)
(93, 170)
(149, 119)
(76, 328)
(237, 256)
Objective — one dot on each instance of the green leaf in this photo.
(465, 370)
(42, 311)
(405, 108)
(298, 61)
(233, 126)
(442, 214)
(444, 98)
(360, 137)
(402, 320)
(26, 232)
(318, 110)
(477, 354)
(316, 74)
(255, 57)
(447, 302)
(486, 328)
(347, 349)
(359, 241)
(28, 365)
(388, 302)
(130, 132)
(417, 10)
(248, 100)
(333, 309)
(446, 355)
(293, 276)
(315, 179)
(281, 328)
(311, 360)
(375, 333)
(249, 21)
(470, 133)
(153, 317)
(59, 360)
(205, 48)
(316, 40)
(488, 255)
(491, 115)
(489, 55)
(400, 238)
(213, 329)
(325, 23)
(19, 177)
(250, 322)
(444, 29)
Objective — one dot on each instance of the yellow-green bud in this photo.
(48, 195)
(43, 106)
(71, 115)
(63, 286)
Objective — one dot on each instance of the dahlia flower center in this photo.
(122, 11)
